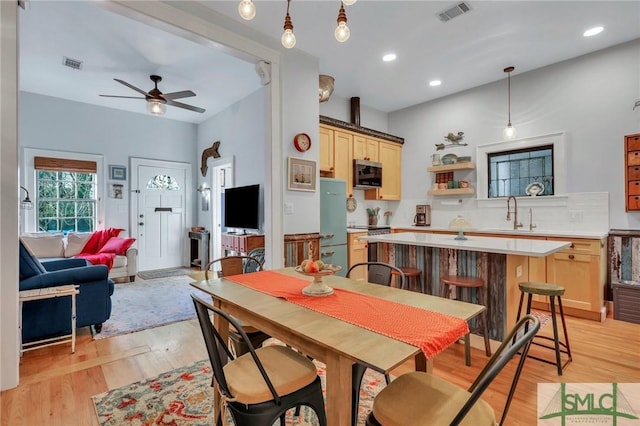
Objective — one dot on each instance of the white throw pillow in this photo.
(45, 244)
(76, 242)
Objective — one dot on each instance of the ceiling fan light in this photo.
(247, 10)
(156, 107)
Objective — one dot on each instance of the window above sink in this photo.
(553, 142)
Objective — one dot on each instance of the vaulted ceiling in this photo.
(467, 51)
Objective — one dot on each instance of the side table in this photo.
(48, 293)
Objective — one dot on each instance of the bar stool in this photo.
(412, 274)
(467, 283)
(554, 292)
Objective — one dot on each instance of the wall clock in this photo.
(302, 142)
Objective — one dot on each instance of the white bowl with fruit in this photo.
(317, 269)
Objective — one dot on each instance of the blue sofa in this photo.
(47, 318)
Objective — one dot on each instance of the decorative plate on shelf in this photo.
(449, 159)
(534, 189)
(352, 204)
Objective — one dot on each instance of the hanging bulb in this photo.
(348, 2)
(509, 132)
(288, 39)
(247, 10)
(342, 32)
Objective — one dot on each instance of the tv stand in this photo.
(240, 243)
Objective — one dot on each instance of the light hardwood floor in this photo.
(56, 386)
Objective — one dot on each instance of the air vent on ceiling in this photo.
(71, 63)
(454, 11)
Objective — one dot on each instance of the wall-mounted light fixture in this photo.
(26, 204)
(509, 132)
(247, 10)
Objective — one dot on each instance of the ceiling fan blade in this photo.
(185, 106)
(178, 95)
(133, 87)
(127, 97)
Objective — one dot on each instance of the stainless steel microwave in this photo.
(367, 174)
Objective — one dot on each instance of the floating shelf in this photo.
(451, 167)
(453, 191)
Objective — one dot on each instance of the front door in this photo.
(159, 205)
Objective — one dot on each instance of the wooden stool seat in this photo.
(411, 274)
(553, 292)
(542, 289)
(461, 281)
(467, 283)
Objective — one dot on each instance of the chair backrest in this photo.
(517, 341)
(379, 273)
(219, 353)
(233, 265)
(256, 253)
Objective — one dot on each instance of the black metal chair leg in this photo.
(357, 372)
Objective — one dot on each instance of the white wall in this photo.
(57, 124)
(590, 98)
(242, 135)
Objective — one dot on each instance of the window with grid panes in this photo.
(512, 172)
(65, 199)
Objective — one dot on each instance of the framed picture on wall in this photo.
(118, 172)
(117, 191)
(302, 174)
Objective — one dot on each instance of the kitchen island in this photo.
(501, 262)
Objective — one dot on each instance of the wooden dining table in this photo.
(336, 343)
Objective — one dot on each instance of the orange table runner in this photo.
(431, 331)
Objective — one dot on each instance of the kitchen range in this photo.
(373, 230)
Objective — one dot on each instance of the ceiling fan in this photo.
(156, 100)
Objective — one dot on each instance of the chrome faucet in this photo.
(531, 225)
(516, 225)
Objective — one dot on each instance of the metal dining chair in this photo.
(260, 386)
(236, 265)
(377, 273)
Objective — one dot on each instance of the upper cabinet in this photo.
(341, 143)
(632, 172)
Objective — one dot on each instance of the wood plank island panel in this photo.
(298, 246)
(435, 262)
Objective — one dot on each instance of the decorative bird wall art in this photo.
(212, 151)
(454, 139)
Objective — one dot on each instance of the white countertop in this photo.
(520, 246)
(520, 232)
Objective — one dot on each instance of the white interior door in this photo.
(160, 200)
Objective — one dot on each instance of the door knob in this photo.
(141, 215)
(141, 223)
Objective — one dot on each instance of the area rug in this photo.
(184, 397)
(145, 304)
(163, 273)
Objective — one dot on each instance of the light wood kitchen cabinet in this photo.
(365, 148)
(358, 253)
(343, 158)
(390, 156)
(326, 150)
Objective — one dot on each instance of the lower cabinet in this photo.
(358, 252)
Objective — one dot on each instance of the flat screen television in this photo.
(242, 207)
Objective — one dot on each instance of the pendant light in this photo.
(509, 132)
(247, 10)
(342, 32)
(288, 39)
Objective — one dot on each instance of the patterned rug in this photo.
(163, 273)
(184, 397)
(146, 304)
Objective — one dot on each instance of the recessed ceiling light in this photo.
(389, 57)
(593, 31)
(434, 83)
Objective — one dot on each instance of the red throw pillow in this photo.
(117, 245)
